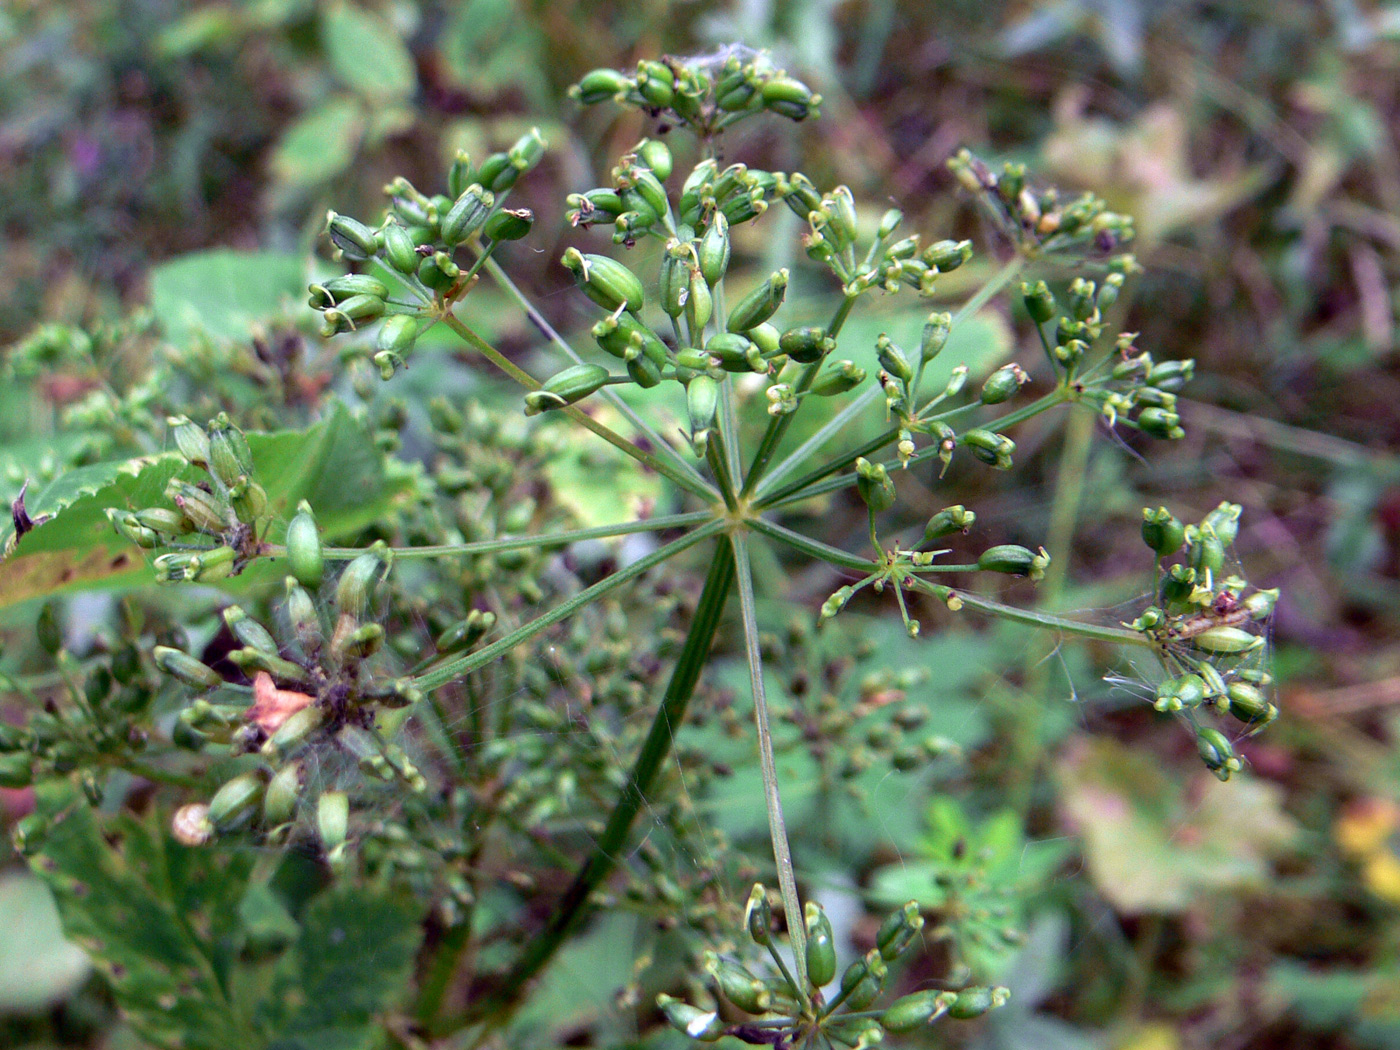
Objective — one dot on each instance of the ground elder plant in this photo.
(400, 712)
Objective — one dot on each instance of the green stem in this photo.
(629, 413)
(718, 458)
(1034, 618)
(811, 484)
(514, 543)
(828, 430)
(697, 488)
(817, 549)
(777, 828)
(610, 845)
(435, 677)
(984, 294)
(778, 425)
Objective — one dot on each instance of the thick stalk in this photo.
(777, 828)
(612, 842)
(444, 673)
(698, 488)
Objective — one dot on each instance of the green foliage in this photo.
(501, 769)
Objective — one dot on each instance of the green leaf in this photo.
(367, 53)
(334, 465)
(223, 294)
(38, 968)
(159, 919)
(320, 145)
(353, 961)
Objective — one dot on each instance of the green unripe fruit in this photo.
(190, 439)
(841, 377)
(1207, 552)
(1040, 302)
(1224, 521)
(703, 1025)
(758, 915)
(185, 668)
(1227, 640)
(304, 553)
(892, 359)
(759, 305)
(1014, 560)
(566, 387)
(399, 249)
(1248, 703)
(600, 85)
(1161, 423)
(509, 224)
(874, 485)
(16, 770)
(898, 930)
(714, 250)
(301, 612)
(1217, 752)
(294, 732)
(656, 155)
(821, 945)
(606, 281)
(356, 584)
(739, 986)
(398, 334)
(234, 804)
(699, 303)
(283, 791)
(863, 980)
(789, 98)
(467, 214)
(702, 402)
(655, 83)
(991, 448)
(352, 284)
(911, 1011)
(1162, 533)
(948, 521)
(806, 345)
(333, 818)
(249, 631)
(467, 632)
(353, 238)
(735, 353)
(974, 1002)
(527, 151)
(945, 256)
(935, 335)
(1003, 384)
(497, 173)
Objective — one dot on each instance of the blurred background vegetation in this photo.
(1258, 144)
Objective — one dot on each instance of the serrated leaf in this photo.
(352, 962)
(157, 918)
(367, 53)
(320, 145)
(223, 294)
(333, 464)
